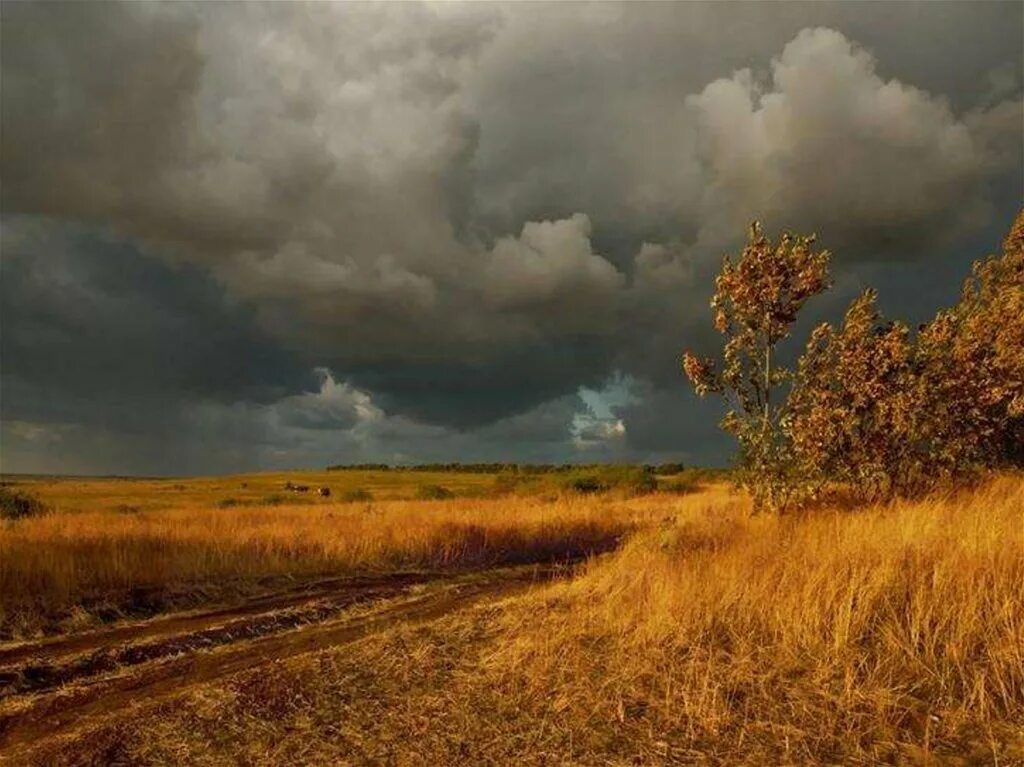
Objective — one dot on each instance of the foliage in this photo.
(887, 413)
(499, 468)
(635, 480)
(971, 368)
(274, 499)
(851, 409)
(755, 304)
(17, 505)
(433, 493)
(871, 406)
(622, 478)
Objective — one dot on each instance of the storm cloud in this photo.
(238, 236)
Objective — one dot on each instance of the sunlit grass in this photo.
(892, 630)
(56, 562)
(888, 634)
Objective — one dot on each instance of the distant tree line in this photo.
(505, 468)
(870, 406)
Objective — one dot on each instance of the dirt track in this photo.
(53, 688)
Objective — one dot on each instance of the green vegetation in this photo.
(501, 468)
(634, 480)
(433, 493)
(18, 505)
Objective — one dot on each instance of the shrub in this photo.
(356, 494)
(631, 479)
(585, 483)
(682, 486)
(433, 493)
(17, 505)
(275, 499)
(970, 362)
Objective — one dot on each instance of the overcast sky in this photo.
(242, 236)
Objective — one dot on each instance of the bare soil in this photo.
(56, 687)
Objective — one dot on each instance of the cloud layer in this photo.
(459, 215)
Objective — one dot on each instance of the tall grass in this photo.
(53, 563)
(881, 634)
(891, 635)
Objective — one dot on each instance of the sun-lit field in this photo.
(887, 634)
(71, 494)
(113, 547)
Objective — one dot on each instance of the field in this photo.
(476, 630)
(112, 547)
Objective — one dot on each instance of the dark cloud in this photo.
(459, 214)
(87, 309)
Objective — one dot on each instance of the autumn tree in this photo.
(755, 305)
(886, 413)
(971, 368)
(852, 407)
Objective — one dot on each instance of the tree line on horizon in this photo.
(505, 468)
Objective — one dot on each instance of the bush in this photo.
(357, 494)
(682, 486)
(585, 483)
(15, 505)
(755, 306)
(433, 493)
(635, 480)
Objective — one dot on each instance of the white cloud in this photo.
(830, 144)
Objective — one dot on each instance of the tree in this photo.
(885, 413)
(852, 406)
(971, 368)
(755, 304)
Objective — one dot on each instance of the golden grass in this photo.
(895, 630)
(889, 635)
(74, 494)
(53, 566)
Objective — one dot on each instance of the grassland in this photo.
(114, 548)
(892, 634)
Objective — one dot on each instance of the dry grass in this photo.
(890, 635)
(74, 494)
(897, 631)
(66, 567)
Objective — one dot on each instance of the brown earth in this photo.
(53, 688)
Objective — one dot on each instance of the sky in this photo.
(245, 236)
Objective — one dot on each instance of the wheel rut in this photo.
(58, 687)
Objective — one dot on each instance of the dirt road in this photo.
(53, 688)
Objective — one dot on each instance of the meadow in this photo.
(891, 633)
(103, 549)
